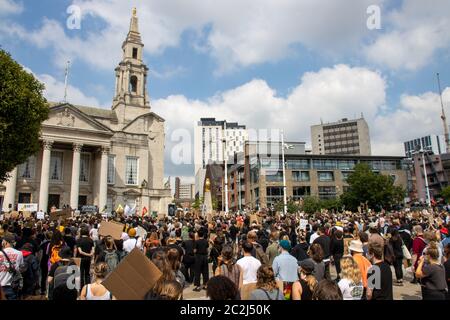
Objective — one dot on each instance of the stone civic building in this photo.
(95, 156)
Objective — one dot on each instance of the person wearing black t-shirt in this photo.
(379, 289)
(85, 251)
(201, 260)
(233, 231)
(69, 239)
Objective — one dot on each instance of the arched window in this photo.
(133, 84)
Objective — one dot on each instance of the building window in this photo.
(24, 197)
(111, 169)
(84, 167)
(56, 161)
(274, 176)
(131, 171)
(325, 176)
(274, 195)
(328, 192)
(300, 192)
(109, 204)
(345, 175)
(26, 169)
(300, 175)
(135, 53)
(133, 84)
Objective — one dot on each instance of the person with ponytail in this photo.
(303, 288)
(227, 267)
(431, 274)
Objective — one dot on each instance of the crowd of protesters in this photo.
(335, 256)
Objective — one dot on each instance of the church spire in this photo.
(134, 22)
(131, 74)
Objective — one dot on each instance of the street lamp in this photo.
(225, 156)
(421, 151)
(283, 146)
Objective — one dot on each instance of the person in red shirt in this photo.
(418, 246)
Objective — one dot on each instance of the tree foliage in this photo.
(445, 193)
(366, 186)
(22, 110)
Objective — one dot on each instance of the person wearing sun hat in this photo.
(285, 265)
(356, 250)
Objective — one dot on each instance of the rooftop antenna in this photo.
(443, 117)
(66, 76)
(321, 121)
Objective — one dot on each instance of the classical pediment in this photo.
(68, 116)
(144, 124)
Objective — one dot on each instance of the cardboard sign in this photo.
(110, 228)
(40, 215)
(247, 289)
(7, 215)
(133, 278)
(77, 261)
(161, 216)
(26, 214)
(303, 224)
(63, 214)
(14, 214)
(27, 207)
(253, 219)
(209, 217)
(89, 209)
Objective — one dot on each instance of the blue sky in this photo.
(266, 63)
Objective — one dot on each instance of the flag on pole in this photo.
(144, 211)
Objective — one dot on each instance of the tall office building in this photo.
(346, 137)
(209, 134)
(432, 143)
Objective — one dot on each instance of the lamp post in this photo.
(225, 156)
(427, 189)
(283, 146)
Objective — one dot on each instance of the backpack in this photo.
(61, 276)
(111, 259)
(261, 255)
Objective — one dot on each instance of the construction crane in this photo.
(443, 117)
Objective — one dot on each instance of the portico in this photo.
(98, 156)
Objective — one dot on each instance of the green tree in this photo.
(22, 110)
(331, 204)
(376, 189)
(445, 193)
(311, 204)
(292, 207)
(197, 203)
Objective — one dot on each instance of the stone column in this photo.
(45, 175)
(103, 189)
(75, 183)
(10, 194)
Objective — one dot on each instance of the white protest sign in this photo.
(40, 215)
(303, 224)
(27, 207)
(140, 232)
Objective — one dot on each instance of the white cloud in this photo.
(330, 94)
(417, 116)
(54, 91)
(8, 7)
(418, 30)
(237, 33)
